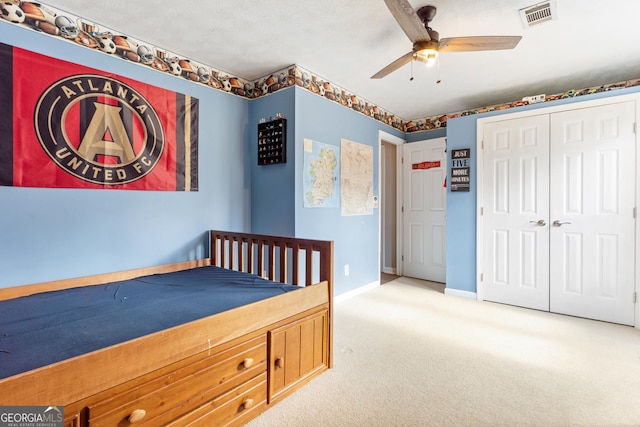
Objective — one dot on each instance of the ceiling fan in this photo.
(427, 42)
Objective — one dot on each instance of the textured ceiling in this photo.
(590, 43)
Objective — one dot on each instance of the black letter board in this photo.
(460, 178)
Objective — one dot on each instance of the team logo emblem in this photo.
(99, 129)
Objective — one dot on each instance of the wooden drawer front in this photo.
(296, 351)
(72, 421)
(235, 407)
(158, 400)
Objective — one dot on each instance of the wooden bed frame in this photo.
(223, 369)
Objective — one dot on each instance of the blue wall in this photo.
(461, 207)
(50, 234)
(427, 134)
(277, 202)
(355, 237)
(461, 215)
(272, 186)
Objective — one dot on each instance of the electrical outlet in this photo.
(346, 269)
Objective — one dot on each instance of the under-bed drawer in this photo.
(235, 407)
(160, 398)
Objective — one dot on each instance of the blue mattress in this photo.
(45, 328)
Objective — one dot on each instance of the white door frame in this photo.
(398, 142)
(548, 110)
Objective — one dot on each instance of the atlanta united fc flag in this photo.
(66, 125)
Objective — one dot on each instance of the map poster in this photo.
(356, 175)
(320, 175)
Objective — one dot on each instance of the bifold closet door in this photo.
(515, 188)
(592, 200)
(558, 223)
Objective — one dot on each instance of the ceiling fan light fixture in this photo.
(428, 56)
(426, 41)
(426, 51)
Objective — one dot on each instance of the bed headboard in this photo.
(290, 260)
(302, 262)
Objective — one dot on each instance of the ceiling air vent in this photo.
(538, 13)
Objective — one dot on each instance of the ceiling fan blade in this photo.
(408, 20)
(476, 43)
(404, 59)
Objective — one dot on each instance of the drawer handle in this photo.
(137, 416)
(248, 362)
(247, 404)
(280, 362)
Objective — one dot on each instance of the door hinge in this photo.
(635, 297)
(635, 212)
(481, 210)
(482, 144)
(482, 277)
(402, 258)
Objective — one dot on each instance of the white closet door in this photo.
(592, 219)
(515, 189)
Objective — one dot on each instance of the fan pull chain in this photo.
(438, 70)
(411, 79)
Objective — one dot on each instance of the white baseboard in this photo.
(447, 291)
(352, 293)
(460, 294)
(389, 270)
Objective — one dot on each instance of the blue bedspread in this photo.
(45, 328)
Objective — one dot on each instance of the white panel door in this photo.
(424, 204)
(592, 213)
(515, 230)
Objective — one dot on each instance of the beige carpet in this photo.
(407, 355)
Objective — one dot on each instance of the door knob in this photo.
(557, 223)
(539, 222)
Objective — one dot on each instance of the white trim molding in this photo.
(398, 142)
(460, 294)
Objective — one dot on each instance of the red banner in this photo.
(426, 165)
(77, 127)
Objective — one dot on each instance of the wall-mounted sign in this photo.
(426, 165)
(92, 129)
(460, 177)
